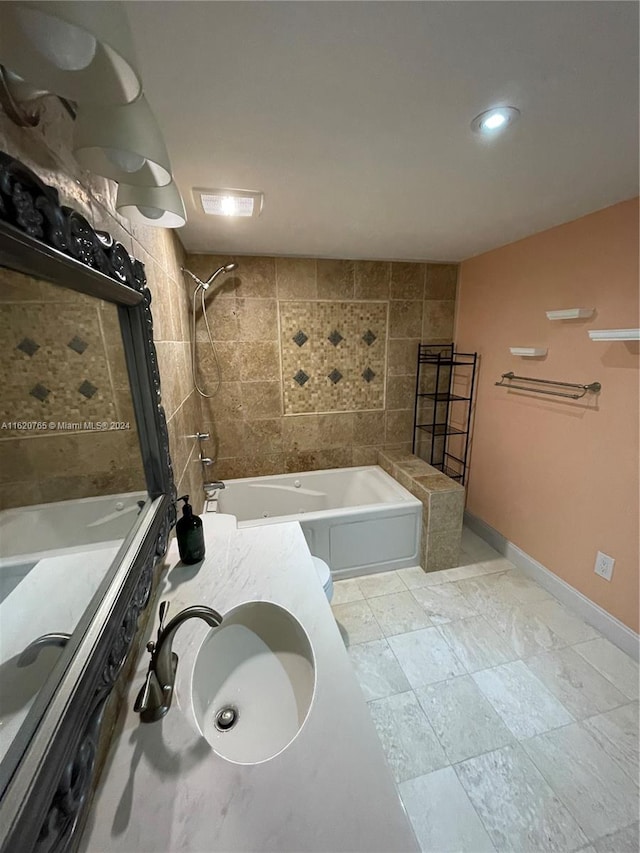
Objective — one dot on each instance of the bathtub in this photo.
(53, 558)
(358, 520)
(28, 533)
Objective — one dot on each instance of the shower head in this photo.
(206, 284)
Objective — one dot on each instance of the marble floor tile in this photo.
(523, 702)
(482, 592)
(398, 613)
(382, 583)
(478, 556)
(356, 622)
(517, 807)
(425, 657)
(443, 603)
(600, 796)
(521, 627)
(476, 547)
(409, 742)
(509, 586)
(624, 841)
(464, 721)
(442, 816)
(415, 577)
(476, 644)
(519, 586)
(473, 570)
(377, 670)
(580, 687)
(619, 668)
(563, 622)
(465, 559)
(617, 733)
(346, 591)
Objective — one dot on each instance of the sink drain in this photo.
(226, 718)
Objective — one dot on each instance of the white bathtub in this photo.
(29, 533)
(53, 558)
(359, 520)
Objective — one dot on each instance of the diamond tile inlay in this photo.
(368, 374)
(87, 389)
(341, 339)
(40, 392)
(77, 345)
(28, 346)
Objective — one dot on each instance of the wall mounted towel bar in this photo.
(594, 387)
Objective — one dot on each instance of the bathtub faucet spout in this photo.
(211, 488)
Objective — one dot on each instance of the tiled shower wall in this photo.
(285, 328)
(47, 150)
(62, 369)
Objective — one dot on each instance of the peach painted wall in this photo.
(560, 478)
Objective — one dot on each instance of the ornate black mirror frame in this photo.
(46, 782)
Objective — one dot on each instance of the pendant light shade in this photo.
(123, 143)
(161, 207)
(82, 51)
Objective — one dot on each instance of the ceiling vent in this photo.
(245, 203)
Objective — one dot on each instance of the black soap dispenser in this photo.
(190, 534)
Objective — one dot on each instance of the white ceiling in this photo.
(353, 118)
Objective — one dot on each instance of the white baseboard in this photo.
(608, 625)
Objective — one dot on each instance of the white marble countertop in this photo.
(164, 789)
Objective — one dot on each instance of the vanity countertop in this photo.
(164, 790)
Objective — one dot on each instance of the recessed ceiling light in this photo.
(230, 202)
(495, 120)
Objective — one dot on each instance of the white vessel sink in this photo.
(253, 682)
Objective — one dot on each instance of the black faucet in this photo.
(154, 699)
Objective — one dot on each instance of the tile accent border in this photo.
(613, 629)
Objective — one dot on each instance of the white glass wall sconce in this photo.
(159, 207)
(82, 51)
(122, 142)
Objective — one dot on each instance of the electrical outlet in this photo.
(604, 565)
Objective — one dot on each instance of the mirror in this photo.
(72, 478)
(86, 498)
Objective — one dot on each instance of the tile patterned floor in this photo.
(508, 723)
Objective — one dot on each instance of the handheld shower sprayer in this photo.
(202, 287)
(205, 285)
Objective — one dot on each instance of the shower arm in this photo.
(206, 284)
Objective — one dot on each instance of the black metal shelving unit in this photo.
(445, 383)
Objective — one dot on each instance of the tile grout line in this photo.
(453, 767)
(516, 742)
(606, 677)
(597, 671)
(557, 793)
